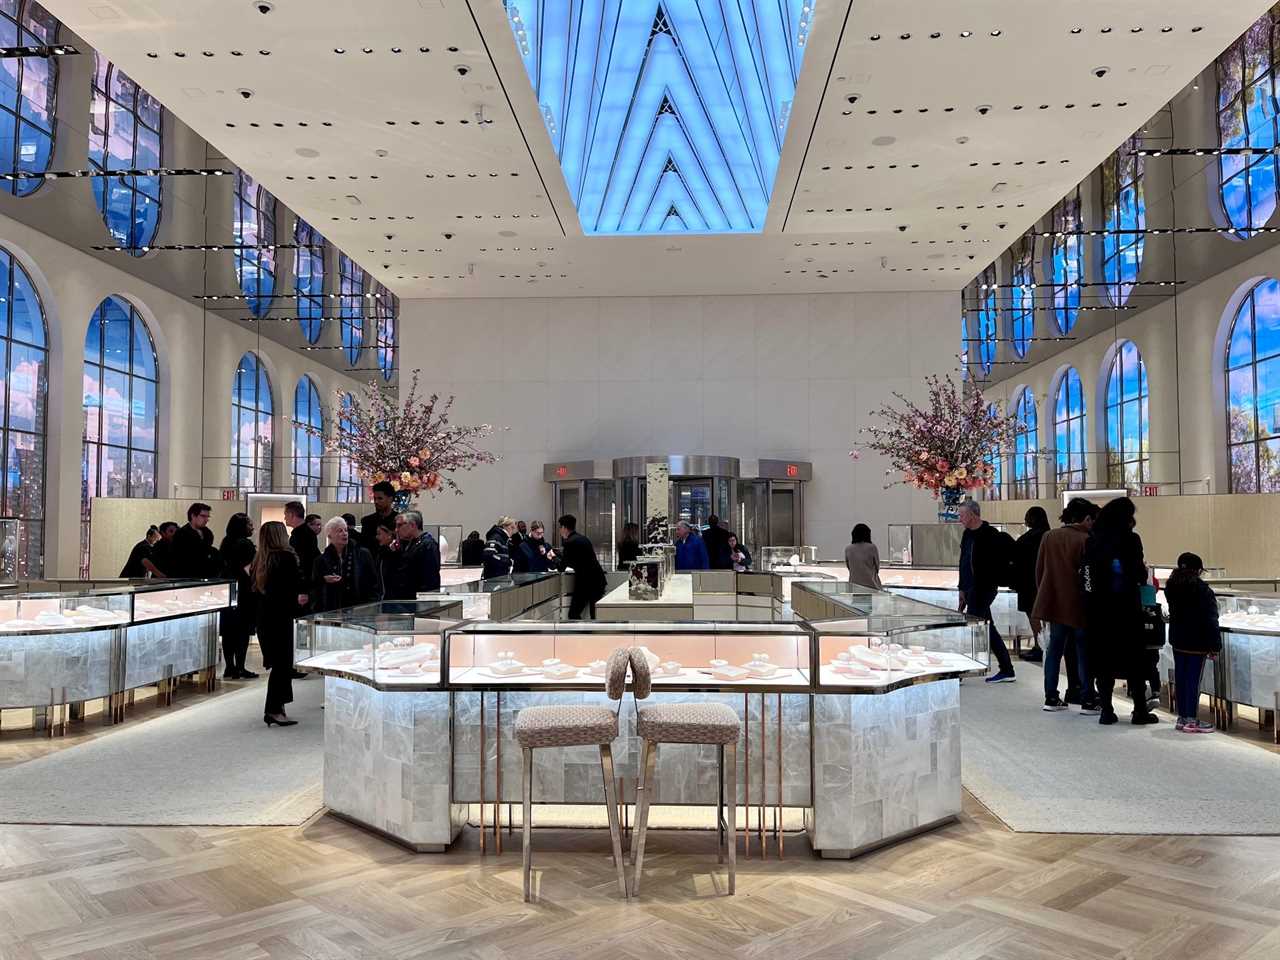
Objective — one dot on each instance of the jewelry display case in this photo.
(774, 558)
(393, 643)
(524, 595)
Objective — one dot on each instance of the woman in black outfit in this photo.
(277, 580)
(629, 545)
(237, 552)
(1025, 551)
(1114, 572)
(345, 574)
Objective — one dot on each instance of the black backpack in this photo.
(1003, 545)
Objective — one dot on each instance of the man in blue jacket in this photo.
(691, 552)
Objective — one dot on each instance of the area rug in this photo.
(1065, 773)
(213, 763)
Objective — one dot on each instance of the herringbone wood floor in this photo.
(330, 890)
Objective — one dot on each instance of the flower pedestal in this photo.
(949, 504)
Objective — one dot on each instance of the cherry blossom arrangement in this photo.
(944, 446)
(411, 445)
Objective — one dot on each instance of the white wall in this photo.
(749, 377)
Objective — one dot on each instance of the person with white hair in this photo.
(344, 575)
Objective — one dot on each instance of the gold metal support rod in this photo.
(746, 765)
(482, 766)
(778, 821)
(497, 776)
(764, 783)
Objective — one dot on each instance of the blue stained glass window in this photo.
(351, 307)
(1253, 391)
(251, 426)
(1069, 431)
(988, 319)
(349, 486)
(995, 459)
(255, 228)
(964, 342)
(1125, 214)
(125, 134)
(308, 448)
(1247, 118)
(669, 115)
(1022, 320)
(1025, 447)
(308, 278)
(28, 94)
(1066, 262)
(1128, 454)
(386, 308)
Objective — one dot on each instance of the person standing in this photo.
(1025, 550)
(302, 539)
(139, 563)
(386, 558)
(384, 508)
(192, 554)
(517, 537)
(162, 559)
(497, 549)
(691, 552)
(578, 554)
(1059, 603)
(739, 556)
(629, 545)
(237, 623)
(863, 559)
(344, 575)
(716, 539)
(984, 564)
(534, 555)
(416, 565)
(1115, 571)
(1194, 636)
(471, 551)
(277, 581)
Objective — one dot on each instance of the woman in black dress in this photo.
(238, 622)
(277, 581)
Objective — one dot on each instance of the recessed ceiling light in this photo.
(966, 33)
(884, 141)
(507, 233)
(308, 152)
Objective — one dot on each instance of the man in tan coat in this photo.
(1060, 604)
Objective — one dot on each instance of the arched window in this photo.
(308, 447)
(1124, 215)
(988, 319)
(351, 307)
(124, 134)
(964, 342)
(1022, 319)
(1247, 118)
(119, 458)
(308, 274)
(349, 485)
(1025, 446)
(255, 229)
(1253, 391)
(386, 307)
(22, 420)
(28, 95)
(1068, 432)
(995, 460)
(1067, 263)
(251, 430)
(1128, 454)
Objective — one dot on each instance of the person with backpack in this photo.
(1194, 636)
(986, 556)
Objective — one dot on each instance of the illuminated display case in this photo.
(392, 644)
(774, 558)
(1247, 671)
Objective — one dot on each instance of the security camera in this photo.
(462, 69)
(1101, 72)
(852, 98)
(386, 266)
(1001, 226)
(984, 109)
(246, 93)
(448, 236)
(263, 6)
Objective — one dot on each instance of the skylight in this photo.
(668, 116)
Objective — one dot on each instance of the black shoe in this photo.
(1139, 719)
(230, 675)
(1090, 708)
(299, 675)
(1051, 706)
(280, 721)
(1034, 655)
(248, 675)
(1108, 717)
(1072, 699)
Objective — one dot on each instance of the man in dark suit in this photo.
(384, 495)
(716, 539)
(416, 567)
(303, 539)
(578, 554)
(192, 555)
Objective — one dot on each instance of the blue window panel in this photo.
(254, 227)
(251, 426)
(28, 92)
(351, 281)
(124, 135)
(1247, 118)
(1128, 449)
(307, 446)
(309, 278)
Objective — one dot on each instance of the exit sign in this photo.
(793, 470)
(230, 493)
(562, 471)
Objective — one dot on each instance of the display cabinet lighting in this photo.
(234, 297)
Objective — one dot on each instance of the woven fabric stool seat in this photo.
(567, 726)
(688, 723)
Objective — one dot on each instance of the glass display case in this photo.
(158, 599)
(773, 558)
(527, 595)
(396, 643)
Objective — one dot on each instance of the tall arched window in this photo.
(1124, 215)
(988, 319)
(255, 230)
(1067, 262)
(124, 134)
(964, 342)
(1247, 118)
(995, 460)
(351, 307)
(251, 429)
(1128, 453)
(308, 274)
(1022, 318)
(349, 485)
(1253, 391)
(1025, 446)
(119, 404)
(1068, 432)
(308, 447)
(28, 94)
(386, 307)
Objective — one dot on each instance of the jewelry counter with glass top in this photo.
(60, 646)
(409, 745)
(530, 596)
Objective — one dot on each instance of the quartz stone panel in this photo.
(186, 643)
(30, 666)
(884, 765)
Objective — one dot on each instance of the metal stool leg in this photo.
(611, 802)
(720, 803)
(644, 786)
(526, 788)
(729, 764)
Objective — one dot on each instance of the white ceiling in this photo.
(834, 224)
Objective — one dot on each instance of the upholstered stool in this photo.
(709, 723)
(577, 725)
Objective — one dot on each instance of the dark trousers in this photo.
(1137, 681)
(1079, 682)
(578, 605)
(280, 682)
(1187, 668)
(981, 608)
(1153, 671)
(1065, 643)
(234, 648)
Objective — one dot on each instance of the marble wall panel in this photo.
(187, 644)
(32, 666)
